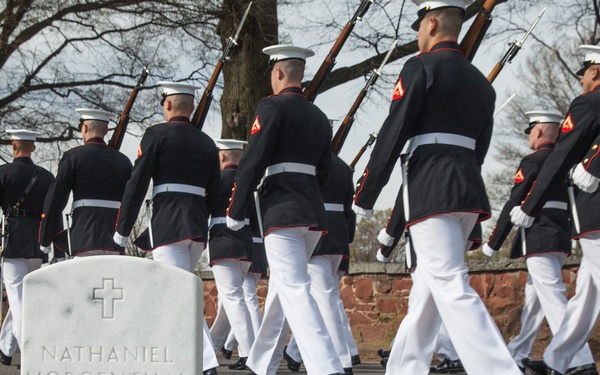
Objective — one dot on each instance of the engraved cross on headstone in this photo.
(108, 294)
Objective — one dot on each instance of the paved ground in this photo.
(362, 369)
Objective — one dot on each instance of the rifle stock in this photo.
(327, 65)
(117, 137)
(476, 32)
(340, 136)
(207, 96)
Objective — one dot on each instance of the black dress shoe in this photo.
(384, 362)
(348, 371)
(292, 364)
(382, 353)
(226, 353)
(355, 360)
(589, 369)
(212, 371)
(4, 359)
(537, 367)
(448, 367)
(239, 365)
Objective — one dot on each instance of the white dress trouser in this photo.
(345, 322)
(441, 292)
(582, 309)
(443, 346)
(250, 285)
(186, 255)
(289, 302)
(545, 272)
(220, 328)
(323, 274)
(229, 277)
(13, 272)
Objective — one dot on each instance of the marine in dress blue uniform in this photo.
(547, 241)
(290, 145)
(578, 132)
(389, 237)
(325, 260)
(229, 254)
(96, 175)
(445, 146)
(183, 164)
(22, 204)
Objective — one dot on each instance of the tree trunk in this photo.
(244, 81)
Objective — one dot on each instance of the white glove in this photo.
(584, 179)
(382, 258)
(384, 238)
(488, 251)
(120, 240)
(234, 224)
(520, 218)
(46, 249)
(362, 211)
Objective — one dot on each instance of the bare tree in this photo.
(59, 55)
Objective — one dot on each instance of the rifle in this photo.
(476, 32)
(370, 141)
(117, 137)
(313, 88)
(344, 129)
(207, 96)
(512, 50)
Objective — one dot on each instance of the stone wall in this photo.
(376, 299)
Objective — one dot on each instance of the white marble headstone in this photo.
(112, 314)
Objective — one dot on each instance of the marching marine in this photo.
(445, 145)
(96, 174)
(578, 132)
(290, 145)
(230, 253)
(23, 186)
(546, 244)
(183, 164)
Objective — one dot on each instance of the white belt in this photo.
(438, 138)
(557, 204)
(95, 203)
(334, 207)
(178, 188)
(257, 239)
(223, 220)
(291, 167)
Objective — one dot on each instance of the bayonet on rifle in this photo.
(344, 129)
(207, 96)
(514, 48)
(117, 137)
(327, 65)
(504, 104)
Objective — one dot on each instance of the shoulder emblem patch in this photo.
(519, 176)
(255, 126)
(568, 125)
(139, 150)
(398, 90)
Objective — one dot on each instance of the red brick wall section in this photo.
(377, 303)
